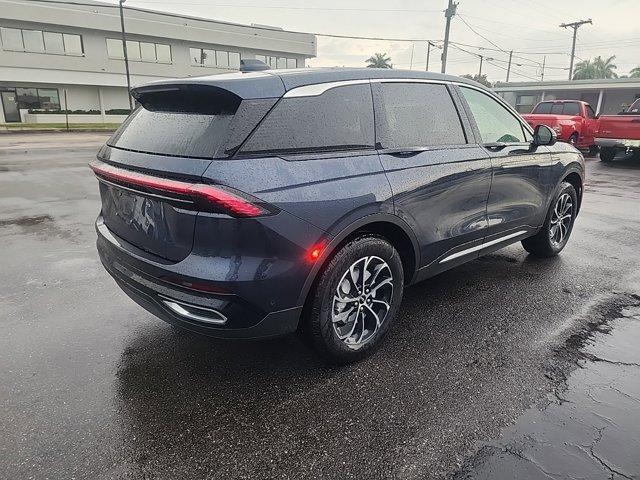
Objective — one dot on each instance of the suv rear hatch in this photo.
(150, 170)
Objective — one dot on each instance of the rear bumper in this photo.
(617, 142)
(237, 309)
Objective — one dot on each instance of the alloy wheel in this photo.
(362, 301)
(561, 219)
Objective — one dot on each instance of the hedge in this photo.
(113, 111)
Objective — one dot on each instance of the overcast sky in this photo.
(529, 27)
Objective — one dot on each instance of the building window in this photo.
(38, 98)
(139, 51)
(202, 57)
(524, 103)
(278, 62)
(53, 42)
(37, 41)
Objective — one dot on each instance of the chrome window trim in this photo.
(316, 89)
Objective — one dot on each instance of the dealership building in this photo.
(606, 96)
(59, 55)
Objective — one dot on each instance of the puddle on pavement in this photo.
(591, 428)
(39, 225)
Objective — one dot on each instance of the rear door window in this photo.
(416, 115)
(340, 118)
(495, 123)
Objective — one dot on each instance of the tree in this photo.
(596, 68)
(635, 73)
(379, 60)
(480, 79)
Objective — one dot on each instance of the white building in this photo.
(54, 49)
(605, 96)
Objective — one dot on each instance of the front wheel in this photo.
(554, 234)
(355, 300)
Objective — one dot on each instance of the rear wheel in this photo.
(607, 153)
(554, 234)
(355, 300)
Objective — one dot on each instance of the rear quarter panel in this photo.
(328, 191)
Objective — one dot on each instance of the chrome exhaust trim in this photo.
(194, 312)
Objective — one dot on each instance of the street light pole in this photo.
(126, 57)
(428, 54)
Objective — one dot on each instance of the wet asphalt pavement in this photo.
(507, 364)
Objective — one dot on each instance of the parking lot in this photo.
(92, 386)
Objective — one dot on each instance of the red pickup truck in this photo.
(574, 122)
(618, 132)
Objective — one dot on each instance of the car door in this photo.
(521, 174)
(440, 179)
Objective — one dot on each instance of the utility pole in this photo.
(449, 13)
(428, 54)
(544, 61)
(509, 67)
(126, 57)
(413, 46)
(480, 69)
(575, 26)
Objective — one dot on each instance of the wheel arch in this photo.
(574, 177)
(389, 226)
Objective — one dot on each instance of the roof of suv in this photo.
(274, 83)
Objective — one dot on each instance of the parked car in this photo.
(260, 204)
(574, 122)
(619, 132)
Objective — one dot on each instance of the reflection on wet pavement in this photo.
(591, 429)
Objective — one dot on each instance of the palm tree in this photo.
(598, 68)
(480, 79)
(379, 60)
(635, 73)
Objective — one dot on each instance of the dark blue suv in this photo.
(259, 204)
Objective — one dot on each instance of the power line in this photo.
(283, 7)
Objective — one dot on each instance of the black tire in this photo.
(607, 153)
(543, 243)
(318, 324)
(593, 150)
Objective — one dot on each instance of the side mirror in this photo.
(543, 135)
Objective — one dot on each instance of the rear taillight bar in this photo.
(229, 202)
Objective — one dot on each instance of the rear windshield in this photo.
(560, 108)
(181, 134)
(571, 109)
(543, 108)
(189, 122)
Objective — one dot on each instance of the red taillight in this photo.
(212, 194)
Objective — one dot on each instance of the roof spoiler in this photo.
(186, 98)
(252, 65)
